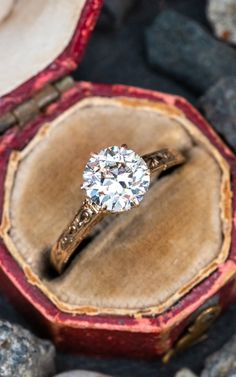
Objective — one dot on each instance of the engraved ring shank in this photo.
(91, 214)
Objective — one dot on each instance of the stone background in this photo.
(117, 54)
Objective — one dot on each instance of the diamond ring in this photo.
(115, 180)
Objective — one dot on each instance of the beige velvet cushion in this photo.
(143, 260)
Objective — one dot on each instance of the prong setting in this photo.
(116, 179)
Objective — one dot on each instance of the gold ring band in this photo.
(91, 214)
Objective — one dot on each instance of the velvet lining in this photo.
(140, 261)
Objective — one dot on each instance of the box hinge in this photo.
(196, 332)
(27, 110)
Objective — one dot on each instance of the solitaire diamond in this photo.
(116, 179)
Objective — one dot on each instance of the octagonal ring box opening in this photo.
(146, 283)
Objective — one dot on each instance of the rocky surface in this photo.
(183, 48)
(115, 12)
(119, 56)
(185, 373)
(81, 373)
(222, 15)
(223, 362)
(219, 107)
(24, 355)
(232, 373)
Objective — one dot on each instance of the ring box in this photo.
(148, 282)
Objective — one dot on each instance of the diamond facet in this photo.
(116, 179)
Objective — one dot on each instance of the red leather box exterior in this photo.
(110, 335)
(144, 337)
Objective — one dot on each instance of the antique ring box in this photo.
(150, 282)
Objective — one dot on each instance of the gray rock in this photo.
(81, 373)
(220, 364)
(185, 373)
(223, 362)
(114, 13)
(183, 49)
(219, 106)
(24, 355)
(222, 16)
